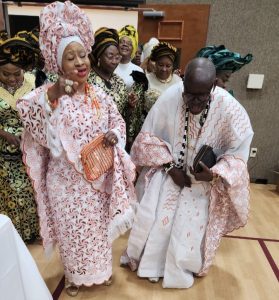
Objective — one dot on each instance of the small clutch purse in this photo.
(96, 159)
(205, 155)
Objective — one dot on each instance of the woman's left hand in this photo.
(132, 99)
(110, 139)
(205, 175)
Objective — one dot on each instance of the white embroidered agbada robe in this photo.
(177, 231)
(82, 217)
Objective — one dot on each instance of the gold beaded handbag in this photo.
(96, 159)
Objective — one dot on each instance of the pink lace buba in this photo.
(59, 20)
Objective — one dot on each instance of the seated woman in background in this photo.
(16, 193)
(82, 214)
(105, 58)
(163, 54)
(225, 61)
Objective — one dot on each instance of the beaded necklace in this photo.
(165, 80)
(11, 89)
(106, 81)
(185, 141)
(90, 93)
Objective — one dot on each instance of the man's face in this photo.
(196, 96)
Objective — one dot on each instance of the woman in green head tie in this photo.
(226, 62)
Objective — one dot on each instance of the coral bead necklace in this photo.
(89, 94)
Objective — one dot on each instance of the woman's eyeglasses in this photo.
(113, 57)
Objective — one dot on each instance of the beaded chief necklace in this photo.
(89, 95)
(186, 130)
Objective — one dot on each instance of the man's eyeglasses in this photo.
(199, 98)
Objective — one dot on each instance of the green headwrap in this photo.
(223, 59)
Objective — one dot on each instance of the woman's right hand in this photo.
(58, 89)
(10, 138)
(180, 178)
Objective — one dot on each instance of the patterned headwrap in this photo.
(224, 59)
(104, 37)
(59, 21)
(22, 50)
(163, 49)
(130, 32)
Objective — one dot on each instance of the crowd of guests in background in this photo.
(83, 84)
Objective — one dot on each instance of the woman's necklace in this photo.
(89, 94)
(165, 80)
(11, 89)
(185, 142)
(106, 81)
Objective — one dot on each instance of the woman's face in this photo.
(163, 67)
(75, 63)
(125, 46)
(110, 59)
(137, 59)
(11, 75)
(222, 78)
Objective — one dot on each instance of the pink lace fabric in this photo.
(150, 151)
(59, 20)
(82, 217)
(229, 205)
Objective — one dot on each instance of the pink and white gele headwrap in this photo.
(60, 20)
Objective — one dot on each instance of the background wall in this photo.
(177, 28)
(251, 26)
(2, 19)
(99, 17)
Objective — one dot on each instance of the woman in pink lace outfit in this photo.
(83, 217)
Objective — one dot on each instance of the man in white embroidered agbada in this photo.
(182, 215)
